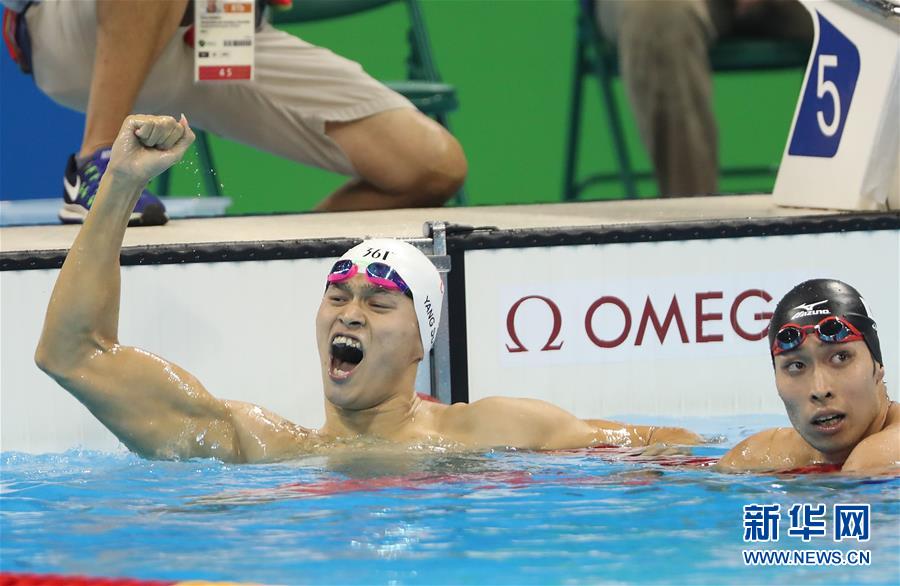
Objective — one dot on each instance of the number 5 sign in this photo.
(828, 94)
(844, 148)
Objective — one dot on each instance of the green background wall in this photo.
(511, 61)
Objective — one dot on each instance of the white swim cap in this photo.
(416, 270)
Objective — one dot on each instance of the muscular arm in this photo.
(154, 407)
(522, 423)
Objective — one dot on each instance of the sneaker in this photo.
(80, 186)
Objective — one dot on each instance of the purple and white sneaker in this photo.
(80, 187)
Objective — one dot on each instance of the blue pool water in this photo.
(423, 518)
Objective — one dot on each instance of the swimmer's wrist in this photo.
(123, 181)
(117, 195)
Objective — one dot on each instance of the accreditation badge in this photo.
(223, 45)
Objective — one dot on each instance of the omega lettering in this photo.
(704, 317)
(759, 316)
(589, 318)
(649, 316)
(511, 325)
(674, 313)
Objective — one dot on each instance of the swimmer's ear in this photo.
(879, 372)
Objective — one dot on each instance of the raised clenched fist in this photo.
(148, 145)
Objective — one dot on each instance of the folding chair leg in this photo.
(570, 189)
(626, 173)
(459, 198)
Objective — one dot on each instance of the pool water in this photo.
(420, 517)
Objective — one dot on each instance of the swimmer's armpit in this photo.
(265, 436)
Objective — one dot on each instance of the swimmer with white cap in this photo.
(378, 318)
(829, 373)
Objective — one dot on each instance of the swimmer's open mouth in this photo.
(346, 354)
(827, 420)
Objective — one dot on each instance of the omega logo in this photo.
(649, 316)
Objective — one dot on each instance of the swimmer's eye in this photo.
(793, 367)
(842, 356)
(336, 296)
(381, 303)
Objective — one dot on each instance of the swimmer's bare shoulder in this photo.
(769, 450)
(880, 452)
(785, 449)
(517, 423)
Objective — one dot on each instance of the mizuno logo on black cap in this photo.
(807, 309)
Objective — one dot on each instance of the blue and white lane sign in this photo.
(827, 95)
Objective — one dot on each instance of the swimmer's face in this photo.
(832, 393)
(369, 344)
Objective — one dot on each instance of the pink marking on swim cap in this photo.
(337, 277)
(386, 283)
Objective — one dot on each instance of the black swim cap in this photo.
(812, 301)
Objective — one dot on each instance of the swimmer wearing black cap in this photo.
(830, 375)
(376, 322)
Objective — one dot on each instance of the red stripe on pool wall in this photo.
(10, 579)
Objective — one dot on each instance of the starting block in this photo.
(843, 151)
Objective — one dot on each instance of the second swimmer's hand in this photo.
(148, 145)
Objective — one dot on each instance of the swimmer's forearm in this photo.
(621, 434)
(98, 245)
(645, 435)
(116, 198)
(673, 435)
(84, 308)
